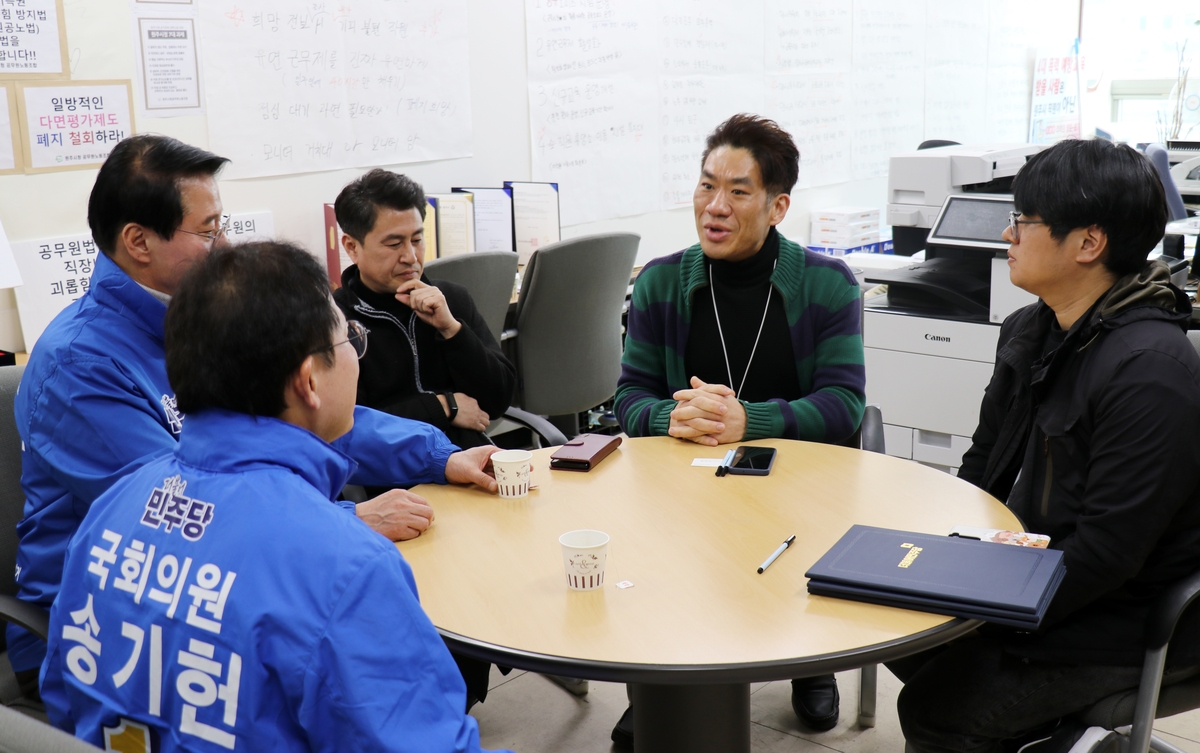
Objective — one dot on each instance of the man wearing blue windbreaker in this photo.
(179, 625)
(95, 403)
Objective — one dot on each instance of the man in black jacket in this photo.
(432, 357)
(1087, 432)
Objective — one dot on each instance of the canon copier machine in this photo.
(930, 342)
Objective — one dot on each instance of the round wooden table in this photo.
(698, 623)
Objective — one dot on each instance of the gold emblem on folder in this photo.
(911, 556)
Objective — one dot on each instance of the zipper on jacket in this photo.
(1049, 478)
(409, 332)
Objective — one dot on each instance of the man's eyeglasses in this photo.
(356, 335)
(1014, 225)
(212, 235)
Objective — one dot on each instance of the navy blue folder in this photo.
(1010, 585)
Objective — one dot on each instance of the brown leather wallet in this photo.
(584, 452)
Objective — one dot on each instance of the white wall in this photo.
(101, 47)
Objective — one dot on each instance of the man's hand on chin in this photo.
(471, 467)
(397, 514)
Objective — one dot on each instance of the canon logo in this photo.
(937, 338)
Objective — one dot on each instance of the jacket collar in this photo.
(114, 289)
(1144, 295)
(1135, 297)
(350, 279)
(786, 277)
(228, 442)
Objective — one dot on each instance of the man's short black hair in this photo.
(358, 204)
(243, 321)
(772, 147)
(139, 182)
(1081, 183)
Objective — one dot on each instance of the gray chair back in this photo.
(489, 276)
(1157, 154)
(22, 734)
(569, 322)
(12, 499)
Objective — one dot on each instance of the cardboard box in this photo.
(869, 248)
(844, 228)
(844, 240)
(845, 215)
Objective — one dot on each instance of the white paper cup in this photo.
(512, 472)
(584, 556)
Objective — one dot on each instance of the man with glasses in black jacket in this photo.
(1087, 433)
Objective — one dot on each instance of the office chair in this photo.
(871, 438)
(568, 325)
(1123, 722)
(12, 507)
(1157, 154)
(20, 734)
(489, 276)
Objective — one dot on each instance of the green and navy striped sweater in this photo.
(824, 315)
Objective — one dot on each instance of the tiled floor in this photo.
(529, 714)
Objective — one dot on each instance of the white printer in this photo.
(919, 183)
(930, 343)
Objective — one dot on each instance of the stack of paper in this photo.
(842, 230)
(980, 580)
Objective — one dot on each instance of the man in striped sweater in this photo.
(746, 335)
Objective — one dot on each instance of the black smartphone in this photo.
(752, 461)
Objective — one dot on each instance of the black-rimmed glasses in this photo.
(356, 335)
(212, 235)
(1014, 225)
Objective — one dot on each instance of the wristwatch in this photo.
(452, 404)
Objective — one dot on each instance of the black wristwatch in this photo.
(452, 404)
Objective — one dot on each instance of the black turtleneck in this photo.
(741, 292)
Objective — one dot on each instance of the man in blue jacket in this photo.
(180, 626)
(95, 402)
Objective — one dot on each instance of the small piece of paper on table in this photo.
(708, 462)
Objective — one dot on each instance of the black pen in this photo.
(776, 554)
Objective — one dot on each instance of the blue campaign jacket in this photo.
(217, 599)
(94, 404)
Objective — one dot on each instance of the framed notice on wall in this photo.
(33, 39)
(73, 125)
(11, 158)
(168, 67)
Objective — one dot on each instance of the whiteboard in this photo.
(499, 77)
(301, 87)
(853, 82)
